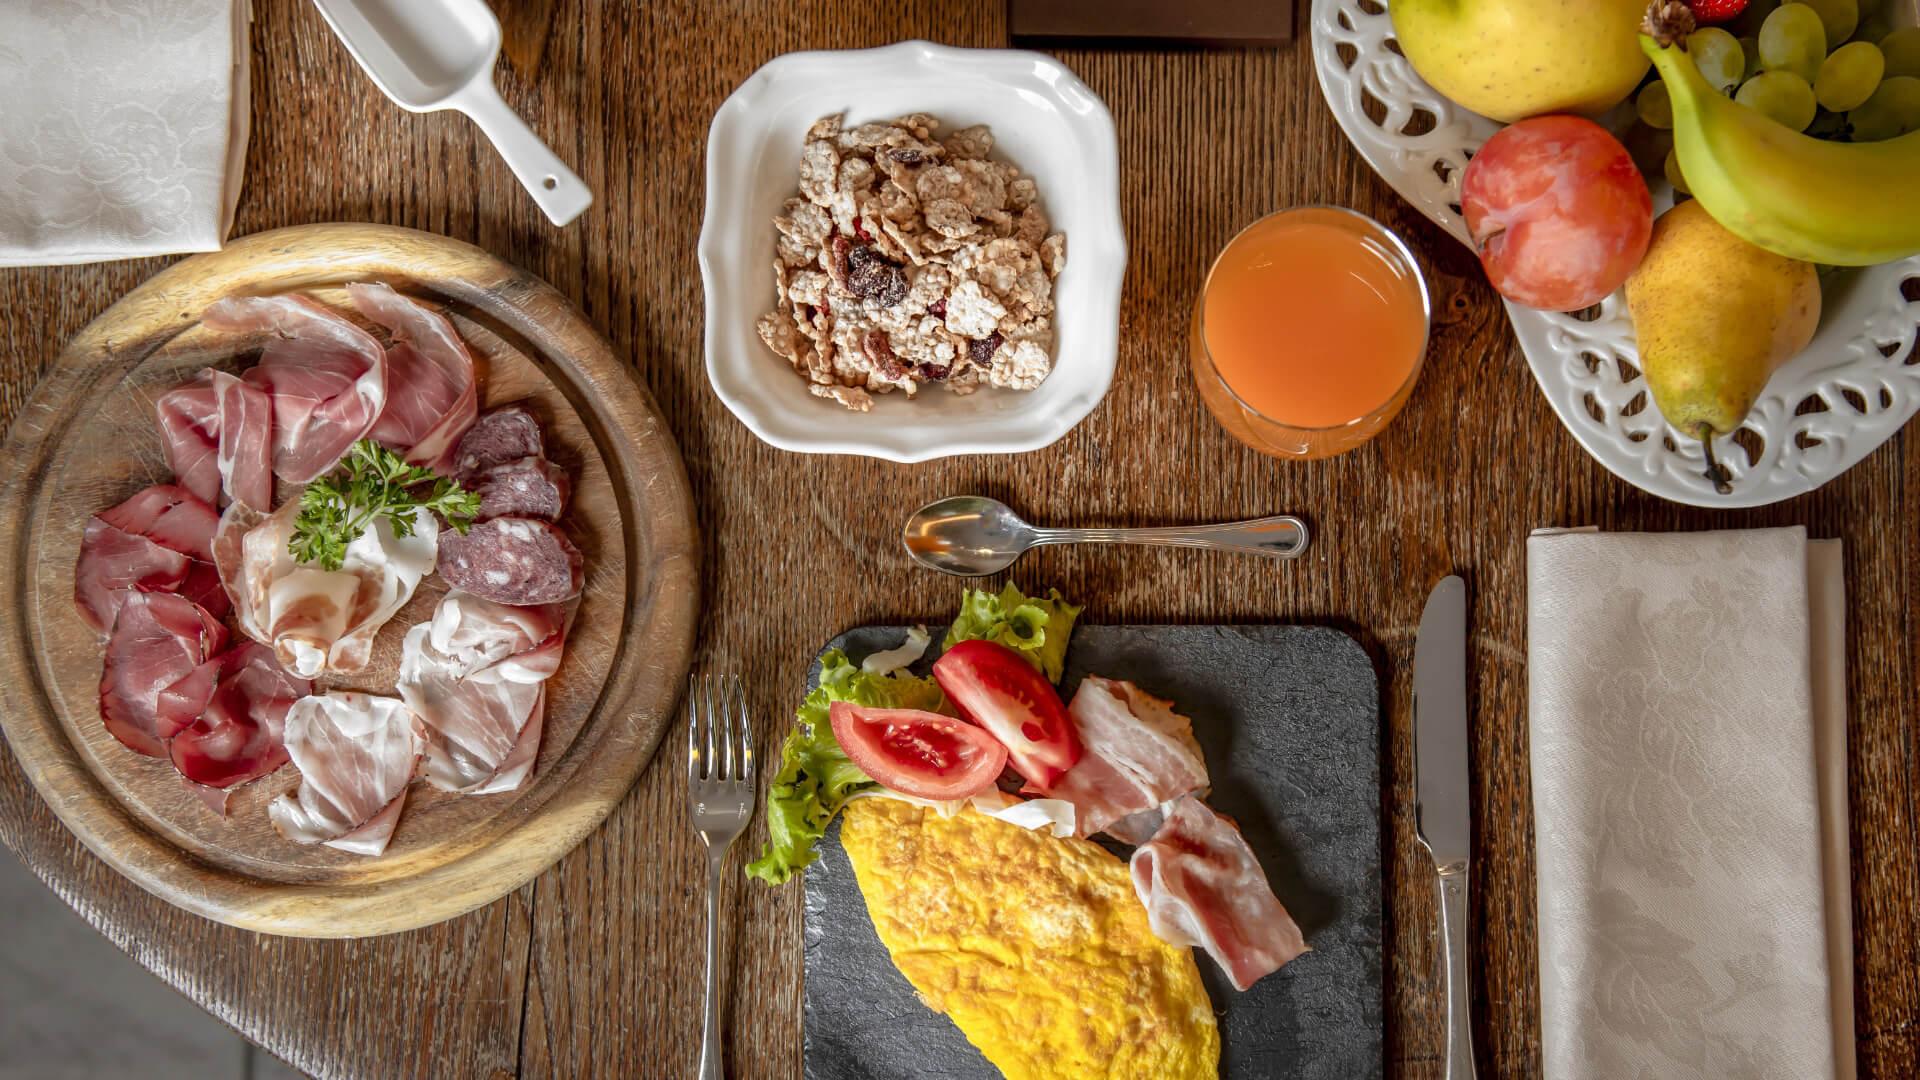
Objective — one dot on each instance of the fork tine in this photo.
(712, 749)
(746, 731)
(693, 731)
(729, 768)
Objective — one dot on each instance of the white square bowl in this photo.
(1044, 120)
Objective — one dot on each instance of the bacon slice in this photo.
(356, 753)
(327, 378)
(475, 675)
(1139, 754)
(189, 418)
(431, 396)
(159, 540)
(226, 719)
(1202, 886)
(319, 620)
(157, 640)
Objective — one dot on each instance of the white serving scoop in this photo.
(429, 55)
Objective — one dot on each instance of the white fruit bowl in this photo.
(1832, 405)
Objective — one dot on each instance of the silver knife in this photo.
(1443, 806)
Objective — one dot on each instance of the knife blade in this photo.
(1442, 805)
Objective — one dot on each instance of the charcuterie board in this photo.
(87, 438)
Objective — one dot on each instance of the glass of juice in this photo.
(1310, 332)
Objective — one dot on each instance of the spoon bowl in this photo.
(974, 536)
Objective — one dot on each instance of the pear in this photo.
(1715, 317)
(1510, 59)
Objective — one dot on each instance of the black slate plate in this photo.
(1289, 719)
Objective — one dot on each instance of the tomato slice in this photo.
(918, 753)
(995, 687)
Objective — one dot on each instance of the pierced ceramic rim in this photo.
(1045, 428)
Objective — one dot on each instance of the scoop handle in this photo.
(561, 194)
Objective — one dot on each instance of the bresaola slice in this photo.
(158, 639)
(1202, 885)
(244, 452)
(228, 717)
(355, 752)
(431, 397)
(327, 378)
(512, 560)
(158, 540)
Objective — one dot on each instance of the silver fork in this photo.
(720, 784)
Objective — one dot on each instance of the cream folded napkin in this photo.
(123, 127)
(1689, 767)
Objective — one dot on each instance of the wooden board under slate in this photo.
(1289, 719)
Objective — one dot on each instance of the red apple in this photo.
(1557, 211)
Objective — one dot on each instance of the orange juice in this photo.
(1309, 332)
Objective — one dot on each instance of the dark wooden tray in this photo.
(1289, 719)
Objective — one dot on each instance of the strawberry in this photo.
(1715, 11)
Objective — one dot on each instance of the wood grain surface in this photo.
(593, 968)
(87, 440)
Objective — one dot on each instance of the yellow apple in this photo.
(1510, 59)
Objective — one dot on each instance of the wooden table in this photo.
(593, 969)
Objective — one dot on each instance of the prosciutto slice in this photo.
(245, 449)
(158, 639)
(1139, 754)
(327, 378)
(1202, 886)
(431, 399)
(225, 720)
(476, 674)
(319, 620)
(356, 753)
(158, 541)
(189, 418)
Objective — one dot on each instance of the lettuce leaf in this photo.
(1035, 628)
(816, 777)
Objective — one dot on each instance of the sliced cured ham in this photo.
(159, 540)
(158, 639)
(431, 396)
(319, 620)
(327, 378)
(189, 418)
(1202, 886)
(226, 719)
(1139, 753)
(475, 675)
(245, 449)
(356, 753)
(503, 434)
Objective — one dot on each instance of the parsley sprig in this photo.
(372, 482)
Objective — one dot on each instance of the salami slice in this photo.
(508, 433)
(528, 487)
(512, 560)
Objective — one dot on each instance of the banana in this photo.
(1842, 204)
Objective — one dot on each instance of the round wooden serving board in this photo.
(88, 439)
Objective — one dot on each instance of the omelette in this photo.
(1036, 947)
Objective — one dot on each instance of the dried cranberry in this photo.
(839, 259)
(872, 276)
(938, 309)
(879, 349)
(981, 350)
(860, 230)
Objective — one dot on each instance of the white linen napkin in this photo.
(1689, 755)
(123, 127)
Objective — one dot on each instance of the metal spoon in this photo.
(973, 536)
